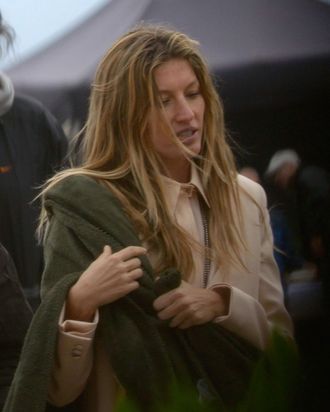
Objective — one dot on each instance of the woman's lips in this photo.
(187, 135)
(187, 132)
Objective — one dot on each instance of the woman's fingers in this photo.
(171, 310)
(107, 250)
(165, 300)
(121, 291)
(132, 264)
(130, 252)
(125, 260)
(186, 319)
(111, 276)
(182, 313)
(136, 274)
(188, 305)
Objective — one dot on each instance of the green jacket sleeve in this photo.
(64, 253)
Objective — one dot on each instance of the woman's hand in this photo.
(107, 279)
(189, 306)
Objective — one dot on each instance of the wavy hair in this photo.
(117, 150)
(7, 36)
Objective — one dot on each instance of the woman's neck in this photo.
(179, 172)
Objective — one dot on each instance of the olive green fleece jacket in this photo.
(211, 361)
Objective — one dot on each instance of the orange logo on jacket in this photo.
(5, 169)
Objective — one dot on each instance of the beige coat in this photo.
(256, 300)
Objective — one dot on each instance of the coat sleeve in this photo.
(64, 254)
(73, 360)
(255, 315)
(271, 295)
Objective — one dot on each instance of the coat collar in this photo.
(172, 189)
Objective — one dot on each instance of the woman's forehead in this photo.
(174, 73)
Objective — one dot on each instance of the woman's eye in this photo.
(193, 94)
(165, 101)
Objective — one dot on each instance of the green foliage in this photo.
(181, 399)
(275, 381)
(125, 405)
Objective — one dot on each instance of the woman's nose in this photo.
(183, 111)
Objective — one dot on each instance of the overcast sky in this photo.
(39, 22)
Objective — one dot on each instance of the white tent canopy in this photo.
(247, 43)
(271, 60)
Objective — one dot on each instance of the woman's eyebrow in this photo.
(191, 84)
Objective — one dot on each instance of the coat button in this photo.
(77, 351)
(188, 189)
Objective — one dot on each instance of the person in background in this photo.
(279, 185)
(15, 317)
(152, 239)
(32, 147)
(298, 199)
(314, 199)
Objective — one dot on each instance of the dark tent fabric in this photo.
(271, 61)
(262, 51)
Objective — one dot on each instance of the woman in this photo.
(154, 153)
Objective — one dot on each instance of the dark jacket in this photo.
(15, 317)
(32, 146)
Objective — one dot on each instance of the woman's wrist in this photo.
(222, 304)
(79, 306)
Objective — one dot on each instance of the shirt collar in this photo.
(172, 188)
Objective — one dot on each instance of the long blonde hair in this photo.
(118, 152)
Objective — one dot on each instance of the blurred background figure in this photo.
(279, 183)
(32, 146)
(313, 185)
(15, 317)
(298, 199)
(299, 203)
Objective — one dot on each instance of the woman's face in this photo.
(184, 106)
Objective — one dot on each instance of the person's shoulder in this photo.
(28, 108)
(83, 197)
(76, 189)
(74, 192)
(73, 185)
(31, 115)
(251, 189)
(25, 103)
(248, 184)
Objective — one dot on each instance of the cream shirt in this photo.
(255, 305)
